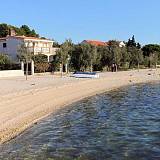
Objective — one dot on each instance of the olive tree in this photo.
(25, 55)
(63, 55)
(41, 63)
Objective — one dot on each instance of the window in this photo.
(4, 45)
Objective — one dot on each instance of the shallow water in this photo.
(120, 125)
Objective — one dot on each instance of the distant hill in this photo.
(6, 29)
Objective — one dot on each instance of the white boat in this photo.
(85, 75)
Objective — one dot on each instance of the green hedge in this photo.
(10, 67)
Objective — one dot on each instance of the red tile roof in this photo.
(95, 43)
(3, 39)
(23, 37)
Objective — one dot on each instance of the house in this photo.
(101, 43)
(122, 44)
(10, 44)
(119, 43)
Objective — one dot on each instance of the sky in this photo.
(86, 19)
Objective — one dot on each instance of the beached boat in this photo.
(85, 75)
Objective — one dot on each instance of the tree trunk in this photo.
(66, 68)
(27, 71)
(116, 68)
(62, 70)
(138, 66)
(91, 67)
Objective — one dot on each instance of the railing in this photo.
(43, 50)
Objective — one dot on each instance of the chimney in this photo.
(12, 32)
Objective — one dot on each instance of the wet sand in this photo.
(23, 103)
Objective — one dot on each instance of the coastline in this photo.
(20, 110)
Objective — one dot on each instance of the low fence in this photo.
(11, 73)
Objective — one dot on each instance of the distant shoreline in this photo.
(22, 106)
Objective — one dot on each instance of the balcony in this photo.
(43, 50)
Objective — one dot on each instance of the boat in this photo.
(85, 75)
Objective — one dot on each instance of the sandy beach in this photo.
(23, 103)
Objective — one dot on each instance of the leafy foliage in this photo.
(152, 53)
(84, 56)
(63, 54)
(23, 30)
(24, 54)
(7, 64)
(41, 63)
(40, 58)
(4, 59)
(41, 67)
(4, 30)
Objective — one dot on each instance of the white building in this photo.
(10, 44)
(121, 44)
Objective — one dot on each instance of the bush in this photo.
(41, 67)
(4, 59)
(7, 64)
(41, 63)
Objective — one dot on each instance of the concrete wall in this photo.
(11, 73)
(12, 47)
(2, 50)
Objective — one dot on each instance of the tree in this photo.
(6, 63)
(115, 51)
(41, 63)
(25, 30)
(155, 56)
(138, 46)
(131, 42)
(139, 57)
(41, 67)
(55, 64)
(135, 52)
(40, 58)
(75, 61)
(136, 56)
(94, 57)
(106, 57)
(4, 59)
(63, 55)
(85, 57)
(33, 33)
(25, 55)
(152, 51)
(126, 56)
(56, 44)
(4, 30)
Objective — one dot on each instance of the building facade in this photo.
(10, 44)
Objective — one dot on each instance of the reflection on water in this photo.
(120, 125)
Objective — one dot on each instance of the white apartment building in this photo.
(10, 44)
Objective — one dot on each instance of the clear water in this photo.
(120, 125)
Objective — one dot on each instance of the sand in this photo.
(23, 103)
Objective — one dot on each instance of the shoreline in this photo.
(27, 107)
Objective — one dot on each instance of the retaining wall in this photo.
(11, 73)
